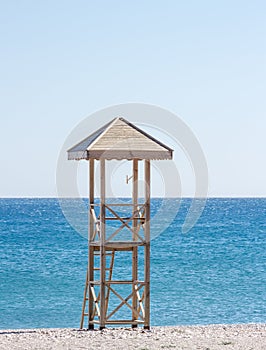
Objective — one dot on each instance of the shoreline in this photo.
(206, 337)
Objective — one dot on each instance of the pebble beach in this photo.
(211, 337)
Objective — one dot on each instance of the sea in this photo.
(214, 273)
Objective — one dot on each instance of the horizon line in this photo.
(124, 197)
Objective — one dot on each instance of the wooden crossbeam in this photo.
(109, 279)
(95, 299)
(141, 221)
(120, 322)
(124, 301)
(124, 223)
(97, 224)
(120, 219)
(117, 204)
(140, 300)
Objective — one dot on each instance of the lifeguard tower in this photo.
(118, 227)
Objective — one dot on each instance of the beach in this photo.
(211, 337)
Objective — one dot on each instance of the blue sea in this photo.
(215, 273)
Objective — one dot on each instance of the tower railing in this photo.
(126, 222)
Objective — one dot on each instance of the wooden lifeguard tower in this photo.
(130, 226)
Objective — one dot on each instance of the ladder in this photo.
(85, 304)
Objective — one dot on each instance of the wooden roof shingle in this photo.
(120, 139)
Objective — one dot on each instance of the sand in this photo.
(212, 337)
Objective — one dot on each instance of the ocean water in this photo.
(215, 273)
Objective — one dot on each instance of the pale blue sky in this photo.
(63, 60)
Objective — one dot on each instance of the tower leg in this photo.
(102, 245)
(91, 278)
(147, 246)
(91, 249)
(135, 238)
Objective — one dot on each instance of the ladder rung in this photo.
(98, 269)
(106, 254)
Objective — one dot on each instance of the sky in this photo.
(64, 60)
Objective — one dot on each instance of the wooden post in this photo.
(147, 246)
(102, 244)
(91, 198)
(91, 249)
(135, 238)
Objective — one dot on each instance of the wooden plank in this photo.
(127, 154)
(120, 322)
(91, 235)
(91, 196)
(135, 238)
(140, 300)
(102, 241)
(95, 299)
(116, 218)
(96, 222)
(110, 269)
(91, 278)
(117, 204)
(119, 282)
(84, 300)
(141, 283)
(110, 247)
(147, 246)
(119, 245)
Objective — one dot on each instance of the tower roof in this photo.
(120, 139)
